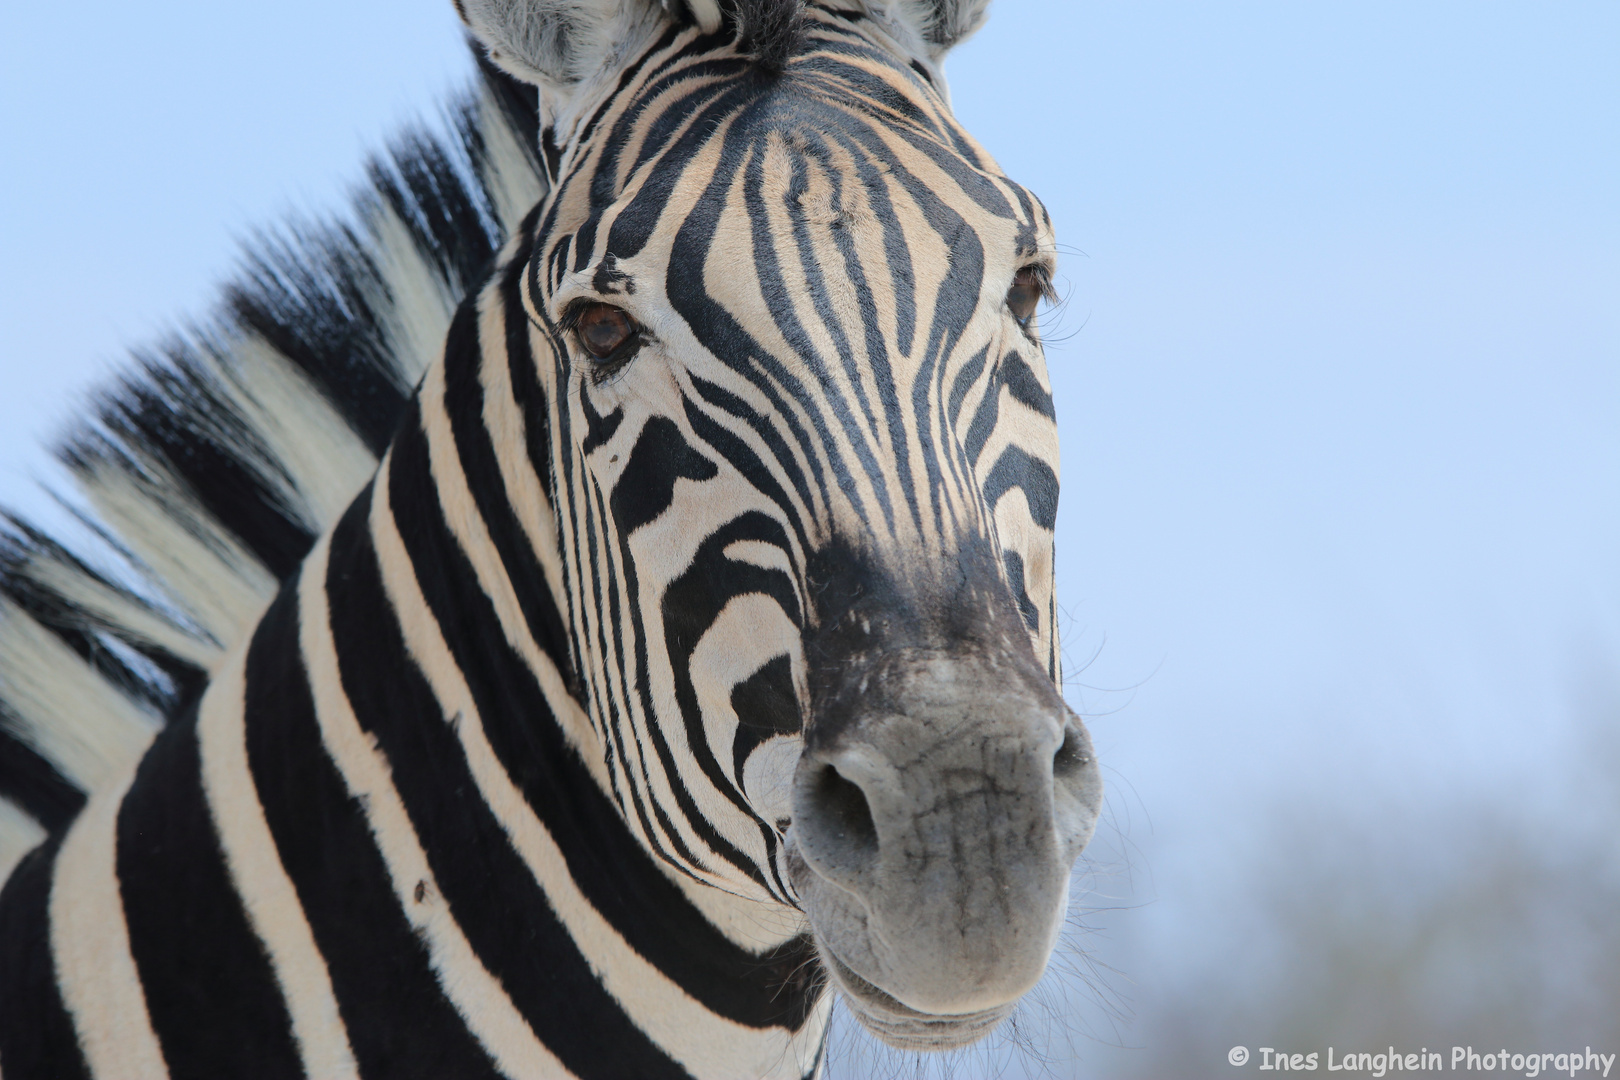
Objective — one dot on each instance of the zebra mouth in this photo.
(903, 1027)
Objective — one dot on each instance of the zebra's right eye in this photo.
(608, 333)
(1028, 288)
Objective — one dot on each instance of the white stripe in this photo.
(68, 713)
(707, 14)
(191, 556)
(508, 432)
(105, 602)
(477, 995)
(95, 970)
(509, 175)
(305, 439)
(467, 525)
(416, 304)
(267, 892)
(706, 1044)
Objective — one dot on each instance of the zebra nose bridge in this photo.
(920, 746)
(918, 686)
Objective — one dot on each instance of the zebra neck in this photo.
(440, 698)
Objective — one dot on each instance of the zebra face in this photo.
(804, 473)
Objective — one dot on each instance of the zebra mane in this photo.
(210, 467)
(772, 30)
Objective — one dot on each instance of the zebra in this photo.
(579, 616)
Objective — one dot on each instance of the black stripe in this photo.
(767, 265)
(611, 598)
(1020, 381)
(944, 152)
(491, 893)
(210, 991)
(625, 79)
(742, 458)
(635, 224)
(34, 784)
(867, 91)
(874, 356)
(644, 490)
(1016, 468)
(37, 1041)
(1014, 565)
(699, 83)
(736, 452)
(400, 1024)
(606, 861)
(464, 399)
(691, 604)
(965, 378)
(608, 598)
(956, 301)
(896, 252)
(728, 340)
(766, 706)
(599, 429)
(983, 423)
(876, 353)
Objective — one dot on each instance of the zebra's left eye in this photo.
(608, 333)
(1026, 292)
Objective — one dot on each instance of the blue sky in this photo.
(1339, 368)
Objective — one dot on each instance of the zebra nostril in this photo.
(1072, 756)
(843, 818)
(846, 804)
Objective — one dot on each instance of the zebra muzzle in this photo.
(937, 816)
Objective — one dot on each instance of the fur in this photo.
(943, 24)
(771, 31)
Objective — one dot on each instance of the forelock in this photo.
(772, 31)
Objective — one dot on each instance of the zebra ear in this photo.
(939, 24)
(556, 44)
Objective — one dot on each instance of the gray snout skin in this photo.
(935, 826)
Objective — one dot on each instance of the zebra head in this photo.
(801, 460)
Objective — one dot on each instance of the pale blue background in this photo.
(1340, 534)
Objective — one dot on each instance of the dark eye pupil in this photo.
(603, 329)
(1024, 294)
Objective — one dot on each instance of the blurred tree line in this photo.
(1484, 927)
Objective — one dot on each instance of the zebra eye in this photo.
(604, 331)
(1026, 292)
